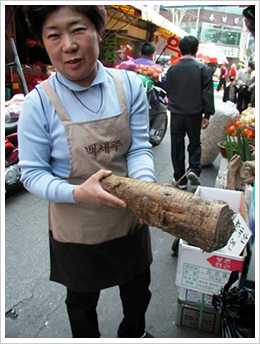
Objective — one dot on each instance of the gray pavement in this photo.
(35, 307)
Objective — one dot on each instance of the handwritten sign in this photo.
(239, 237)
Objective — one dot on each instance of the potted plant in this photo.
(237, 142)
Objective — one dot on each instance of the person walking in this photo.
(222, 77)
(231, 91)
(191, 103)
(158, 111)
(246, 86)
(82, 124)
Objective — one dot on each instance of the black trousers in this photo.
(243, 99)
(135, 296)
(180, 125)
(223, 82)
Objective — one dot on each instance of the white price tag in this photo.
(239, 237)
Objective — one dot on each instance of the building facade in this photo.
(222, 25)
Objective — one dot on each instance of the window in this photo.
(220, 34)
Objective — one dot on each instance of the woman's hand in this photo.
(92, 191)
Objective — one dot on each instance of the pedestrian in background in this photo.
(191, 103)
(158, 111)
(83, 123)
(231, 91)
(233, 71)
(246, 85)
(222, 77)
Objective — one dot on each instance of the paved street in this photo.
(35, 306)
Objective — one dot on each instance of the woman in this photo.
(233, 71)
(82, 123)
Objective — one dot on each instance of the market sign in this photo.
(172, 44)
(231, 52)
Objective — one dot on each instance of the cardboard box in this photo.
(189, 316)
(209, 272)
(235, 199)
(194, 298)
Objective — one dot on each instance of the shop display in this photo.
(151, 71)
(248, 117)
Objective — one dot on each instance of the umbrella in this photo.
(210, 52)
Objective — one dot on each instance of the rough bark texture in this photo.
(203, 223)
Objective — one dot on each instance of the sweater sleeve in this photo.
(140, 156)
(35, 144)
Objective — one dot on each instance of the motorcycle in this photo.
(12, 170)
(163, 128)
(150, 88)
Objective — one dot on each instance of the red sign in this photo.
(173, 45)
(226, 263)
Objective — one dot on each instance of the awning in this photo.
(164, 27)
(210, 52)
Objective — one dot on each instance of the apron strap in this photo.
(120, 90)
(60, 109)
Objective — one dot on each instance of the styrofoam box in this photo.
(209, 272)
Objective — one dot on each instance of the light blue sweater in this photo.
(43, 149)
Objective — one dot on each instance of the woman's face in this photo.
(72, 43)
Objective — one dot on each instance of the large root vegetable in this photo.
(200, 222)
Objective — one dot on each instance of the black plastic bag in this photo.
(237, 309)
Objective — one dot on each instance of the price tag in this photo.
(239, 237)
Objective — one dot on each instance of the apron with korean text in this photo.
(94, 247)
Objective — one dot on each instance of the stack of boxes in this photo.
(200, 275)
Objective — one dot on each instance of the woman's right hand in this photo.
(92, 191)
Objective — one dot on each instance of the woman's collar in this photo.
(100, 78)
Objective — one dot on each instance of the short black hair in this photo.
(249, 14)
(252, 65)
(189, 45)
(147, 48)
(36, 16)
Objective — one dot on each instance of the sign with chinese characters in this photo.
(239, 237)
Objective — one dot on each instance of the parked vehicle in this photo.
(163, 129)
(12, 171)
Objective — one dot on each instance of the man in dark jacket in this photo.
(191, 102)
(231, 91)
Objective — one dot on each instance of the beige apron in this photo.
(88, 241)
(93, 145)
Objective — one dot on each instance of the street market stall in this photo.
(128, 26)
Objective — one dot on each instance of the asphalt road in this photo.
(34, 306)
